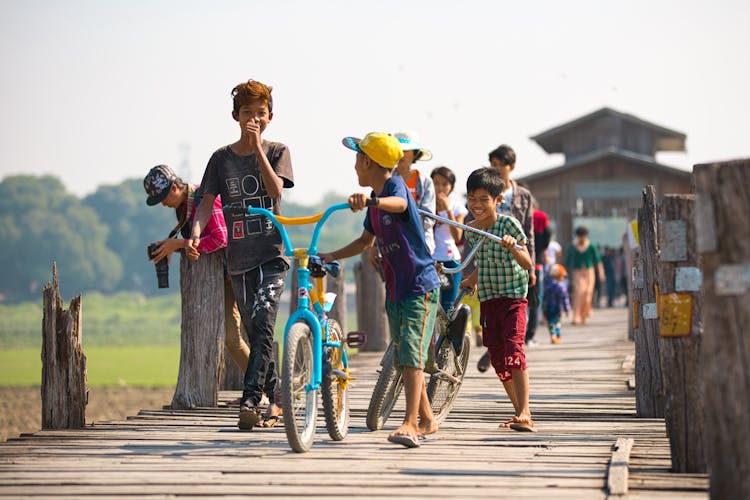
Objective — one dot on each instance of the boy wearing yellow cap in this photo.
(411, 282)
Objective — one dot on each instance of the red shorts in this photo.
(503, 334)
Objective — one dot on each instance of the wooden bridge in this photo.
(579, 396)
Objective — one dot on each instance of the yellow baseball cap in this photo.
(380, 147)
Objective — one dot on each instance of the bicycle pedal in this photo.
(356, 339)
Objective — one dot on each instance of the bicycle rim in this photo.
(386, 392)
(299, 404)
(334, 389)
(443, 386)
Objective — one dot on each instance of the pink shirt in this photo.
(214, 235)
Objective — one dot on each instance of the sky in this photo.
(95, 92)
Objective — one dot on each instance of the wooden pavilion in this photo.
(609, 157)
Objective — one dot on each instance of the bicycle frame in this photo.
(307, 293)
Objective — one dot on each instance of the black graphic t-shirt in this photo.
(252, 240)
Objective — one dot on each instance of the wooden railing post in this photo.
(202, 337)
(649, 393)
(64, 391)
(680, 333)
(723, 241)
(371, 317)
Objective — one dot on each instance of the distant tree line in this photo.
(99, 242)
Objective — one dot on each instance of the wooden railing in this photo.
(691, 308)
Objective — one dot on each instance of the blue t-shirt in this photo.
(408, 269)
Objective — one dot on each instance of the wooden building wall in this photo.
(607, 187)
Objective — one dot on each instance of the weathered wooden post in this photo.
(64, 391)
(336, 285)
(680, 331)
(202, 338)
(723, 241)
(649, 393)
(371, 317)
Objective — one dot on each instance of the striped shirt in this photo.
(499, 273)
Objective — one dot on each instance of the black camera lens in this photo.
(162, 267)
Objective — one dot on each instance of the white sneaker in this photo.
(532, 343)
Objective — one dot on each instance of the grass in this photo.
(108, 320)
(128, 340)
(136, 366)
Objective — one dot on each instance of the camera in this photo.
(162, 267)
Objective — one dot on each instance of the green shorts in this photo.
(411, 322)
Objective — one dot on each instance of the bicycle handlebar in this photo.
(483, 234)
(279, 221)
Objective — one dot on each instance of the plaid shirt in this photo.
(214, 235)
(499, 273)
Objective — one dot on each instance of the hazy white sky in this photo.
(99, 91)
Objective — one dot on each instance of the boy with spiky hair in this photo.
(252, 171)
(502, 278)
(411, 281)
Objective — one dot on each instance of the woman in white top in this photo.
(446, 235)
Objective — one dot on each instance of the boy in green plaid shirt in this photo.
(501, 278)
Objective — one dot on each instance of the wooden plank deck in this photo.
(579, 398)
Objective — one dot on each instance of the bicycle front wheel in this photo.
(386, 392)
(444, 384)
(334, 387)
(298, 402)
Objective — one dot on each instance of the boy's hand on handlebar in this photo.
(326, 257)
(358, 201)
(508, 242)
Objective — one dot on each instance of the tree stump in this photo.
(371, 317)
(722, 229)
(649, 393)
(680, 331)
(64, 391)
(202, 337)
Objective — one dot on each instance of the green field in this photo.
(128, 339)
(139, 366)
(108, 320)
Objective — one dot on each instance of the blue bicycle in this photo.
(314, 346)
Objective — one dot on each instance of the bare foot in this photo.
(426, 428)
(506, 424)
(523, 423)
(271, 415)
(406, 430)
(406, 435)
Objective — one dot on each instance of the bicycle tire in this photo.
(300, 406)
(386, 391)
(441, 391)
(334, 391)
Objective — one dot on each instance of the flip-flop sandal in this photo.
(506, 424)
(249, 418)
(404, 440)
(269, 421)
(523, 427)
